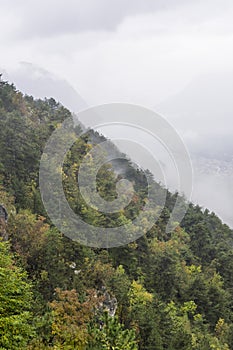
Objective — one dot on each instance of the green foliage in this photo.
(15, 303)
(111, 335)
(173, 290)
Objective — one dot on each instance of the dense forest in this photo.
(169, 291)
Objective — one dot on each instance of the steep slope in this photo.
(172, 291)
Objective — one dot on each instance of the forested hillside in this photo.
(164, 291)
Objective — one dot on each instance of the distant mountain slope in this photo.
(36, 81)
(203, 114)
(204, 107)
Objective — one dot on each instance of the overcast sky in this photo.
(139, 51)
(173, 55)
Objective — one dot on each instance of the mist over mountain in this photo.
(107, 250)
(33, 80)
(159, 291)
(203, 114)
(203, 111)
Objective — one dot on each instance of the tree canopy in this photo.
(161, 292)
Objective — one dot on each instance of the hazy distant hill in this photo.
(203, 114)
